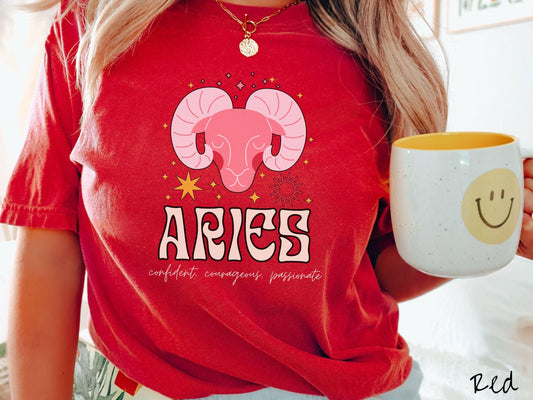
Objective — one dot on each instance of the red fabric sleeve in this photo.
(43, 189)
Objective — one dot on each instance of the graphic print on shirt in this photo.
(235, 139)
(209, 133)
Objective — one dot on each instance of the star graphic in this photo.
(306, 162)
(262, 175)
(240, 85)
(213, 184)
(187, 186)
(173, 163)
(165, 125)
(165, 176)
(300, 95)
(311, 139)
(167, 197)
(190, 85)
(219, 196)
(308, 200)
(272, 79)
(254, 197)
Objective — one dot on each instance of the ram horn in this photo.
(190, 118)
(286, 120)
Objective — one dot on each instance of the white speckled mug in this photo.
(457, 201)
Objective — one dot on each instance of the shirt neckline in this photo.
(294, 16)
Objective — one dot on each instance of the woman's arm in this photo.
(526, 238)
(44, 314)
(399, 279)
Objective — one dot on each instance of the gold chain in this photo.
(248, 46)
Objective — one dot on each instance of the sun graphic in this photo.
(286, 189)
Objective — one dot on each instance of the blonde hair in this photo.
(377, 32)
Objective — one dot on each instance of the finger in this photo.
(528, 168)
(525, 248)
(528, 184)
(528, 196)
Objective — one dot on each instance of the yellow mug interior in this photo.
(454, 141)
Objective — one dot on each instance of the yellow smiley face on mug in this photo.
(491, 206)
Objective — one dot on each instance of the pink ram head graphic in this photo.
(238, 139)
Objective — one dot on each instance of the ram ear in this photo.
(201, 126)
(277, 134)
(275, 127)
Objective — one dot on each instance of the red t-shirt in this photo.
(224, 205)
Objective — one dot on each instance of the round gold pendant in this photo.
(248, 47)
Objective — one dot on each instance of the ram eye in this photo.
(259, 145)
(218, 142)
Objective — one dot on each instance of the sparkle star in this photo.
(190, 85)
(165, 176)
(165, 125)
(240, 85)
(306, 162)
(213, 184)
(187, 186)
(167, 197)
(308, 200)
(272, 79)
(219, 196)
(311, 139)
(173, 163)
(254, 197)
(300, 95)
(262, 175)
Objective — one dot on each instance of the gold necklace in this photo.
(249, 47)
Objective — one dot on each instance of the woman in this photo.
(220, 172)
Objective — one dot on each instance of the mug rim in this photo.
(454, 141)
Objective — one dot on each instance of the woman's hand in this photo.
(525, 249)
